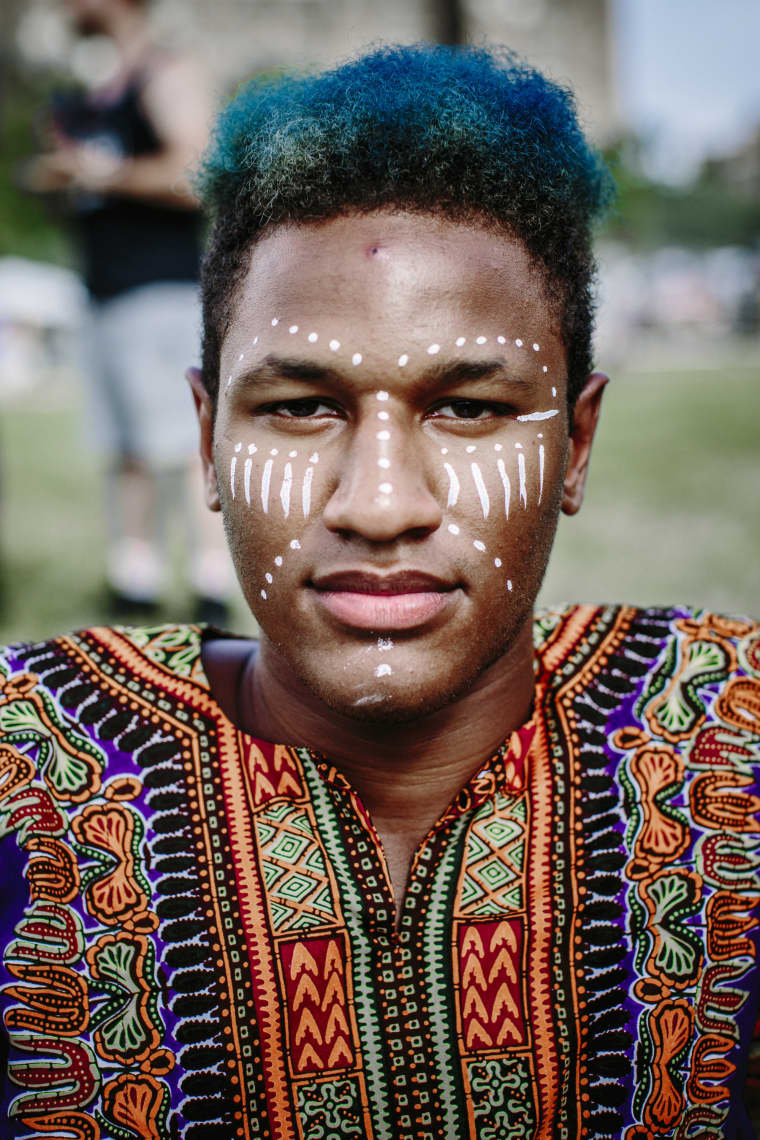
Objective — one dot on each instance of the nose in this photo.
(383, 491)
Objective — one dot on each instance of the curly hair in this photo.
(475, 135)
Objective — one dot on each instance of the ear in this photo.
(585, 416)
(205, 412)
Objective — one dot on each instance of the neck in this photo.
(406, 774)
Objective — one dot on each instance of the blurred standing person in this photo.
(122, 151)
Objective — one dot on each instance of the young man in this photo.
(417, 865)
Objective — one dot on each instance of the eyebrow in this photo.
(437, 374)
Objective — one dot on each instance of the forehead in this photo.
(393, 276)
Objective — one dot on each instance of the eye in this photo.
(310, 407)
(469, 410)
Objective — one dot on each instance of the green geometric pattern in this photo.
(492, 882)
(293, 866)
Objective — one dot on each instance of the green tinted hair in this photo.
(475, 135)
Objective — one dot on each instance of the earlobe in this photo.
(585, 417)
(205, 412)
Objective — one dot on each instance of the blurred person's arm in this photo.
(176, 100)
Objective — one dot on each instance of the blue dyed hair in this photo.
(475, 135)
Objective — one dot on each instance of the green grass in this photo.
(671, 511)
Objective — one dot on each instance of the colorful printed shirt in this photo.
(198, 928)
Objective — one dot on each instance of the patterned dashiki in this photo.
(198, 929)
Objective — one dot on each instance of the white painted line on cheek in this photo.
(269, 578)
(247, 480)
(481, 489)
(540, 471)
(507, 486)
(521, 473)
(306, 491)
(233, 465)
(453, 485)
(533, 416)
(554, 392)
(509, 585)
(264, 594)
(497, 562)
(383, 670)
(287, 483)
(266, 478)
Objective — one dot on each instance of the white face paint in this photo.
(480, 476)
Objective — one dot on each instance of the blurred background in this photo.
(671, 92)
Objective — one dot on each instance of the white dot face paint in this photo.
(295, 544)
(403, 360)
(264, 594)
(521, 476)
(278, 560)
(314, 458)
(383, 415)
(384, 644)
(535, 348)
(453, 528)
(292, 454)
(381, 396)
(275, 322)
(544, 369)
(242, 356)
(247, 480)
(274, 451)
(481, 339)
(252, 448)
(506, 485)
(479, 545)
(269, 578)
(385, 463)
(313, 337)
(501, 339)
(497, 562)
(356, 359)
(554, 392)
(470, 448)
(334, 345)
(497, 447)
(444, 451)
(293, 329)
(509, 585)
(383, 670)
(385, 488)
(460, 341)
(382, 435)
(433, 349)
(519, 343)
(238, 447)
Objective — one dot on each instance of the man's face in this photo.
(389, 453)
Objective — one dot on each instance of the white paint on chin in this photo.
(384, 643)
(383, 670)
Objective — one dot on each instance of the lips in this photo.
(383, 602)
